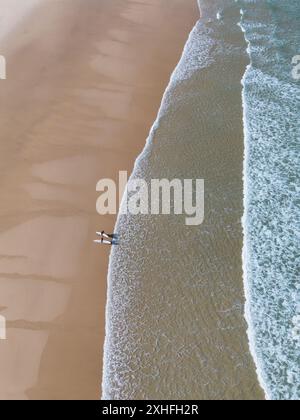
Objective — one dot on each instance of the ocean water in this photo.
(272, 201)
(175, 317)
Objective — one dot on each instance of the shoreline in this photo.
(83, 97)
(204, 334)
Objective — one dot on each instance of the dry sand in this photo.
(85, 80)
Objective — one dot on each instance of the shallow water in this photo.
(175, 313)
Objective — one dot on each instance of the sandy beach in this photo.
(84, 82)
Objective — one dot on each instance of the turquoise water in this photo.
(272, 200)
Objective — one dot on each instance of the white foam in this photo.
(245, 254)
(270, 225)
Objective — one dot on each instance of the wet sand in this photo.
(85, 80)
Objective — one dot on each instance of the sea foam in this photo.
(271, 189)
